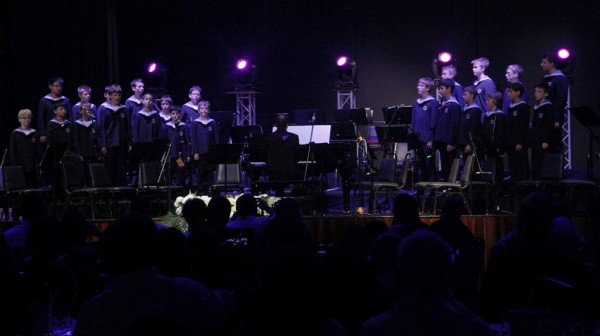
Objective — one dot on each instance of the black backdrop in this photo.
(293, 44)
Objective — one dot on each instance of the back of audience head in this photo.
(288, 209)
(246, 205)
(74, 229)
(130, 243)
(452, 209)
(194, 213)
(172, 258)
(406, 209)
(141, 204)
(32, 206)
(219, 211)
(424, 264)
(535, 217)
(44, 235)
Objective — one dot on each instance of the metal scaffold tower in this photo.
(566, 137)
(245, 107)
(346, 95)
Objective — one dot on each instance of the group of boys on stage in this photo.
(479, 119)
(119, 134)
(458, 121)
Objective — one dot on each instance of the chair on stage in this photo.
(226, 159)
(383, 181)
(423, 187)
(91, 200)
(579, 194)
(14, 187)
(482, 183)
(121, 196)
(552, 173)
(229, 178)
(459, 187)
(154, 185)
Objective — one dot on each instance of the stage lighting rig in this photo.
(565, 61)
(347, 72)
(443, 59)
(155, 78)
(246, 75)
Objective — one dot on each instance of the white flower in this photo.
(178, 202)
(206, 199)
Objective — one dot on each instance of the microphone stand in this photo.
(164, 161)
(387, 130)
(312, 128)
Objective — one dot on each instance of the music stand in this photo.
(357, 116)
(224, 120)
(397, 115)
(342, 132)
(391, 134)
(241, 134)
(224, 154)
(588, 118)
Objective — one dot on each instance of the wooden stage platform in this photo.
(328, 229)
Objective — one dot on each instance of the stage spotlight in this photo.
(246, 74)
(563, 54)
(443, 59)
(155, 78)
(347, 70)
(565, 61)
(153, 67)
(241, 64)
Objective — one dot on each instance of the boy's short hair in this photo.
(175, 108)
(550, 56)
(136, 81)
(484, 62)
(195, 88)
(83, 88)
(427, 81)
(57, 105)
(167, 98)
(449, 83)
(497, 97)
(472, 90)
(515, 68)
(451, 69)
(147, 94)
(543, 86)
(205, 103)
(53, 80)
(24, 112)
(114, 88)
(517, 87)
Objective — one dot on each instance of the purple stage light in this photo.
(241, 64)
(563, 53)
(445, 57)
(152, 67)
(341, 61)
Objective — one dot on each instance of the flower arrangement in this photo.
(176, 219)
